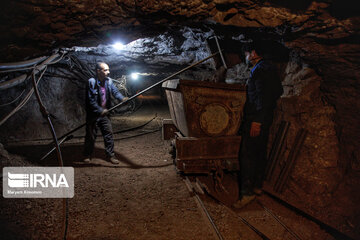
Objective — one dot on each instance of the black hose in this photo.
(46, 115)
(69, 137)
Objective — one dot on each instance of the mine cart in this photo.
(207, 117)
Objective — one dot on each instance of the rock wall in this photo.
(61, 98)
(318, 185)
(322, 83)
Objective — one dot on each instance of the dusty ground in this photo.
(141, 198)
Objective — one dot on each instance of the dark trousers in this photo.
(104, 124)
(253, 158)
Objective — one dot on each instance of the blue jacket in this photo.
(93, 96)
(263, 89)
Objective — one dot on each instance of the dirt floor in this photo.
(141, 198)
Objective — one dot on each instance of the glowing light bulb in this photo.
(135, 76)
(118, 46)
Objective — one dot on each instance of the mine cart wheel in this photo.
(172, 149)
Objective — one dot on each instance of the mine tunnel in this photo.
(175, 171)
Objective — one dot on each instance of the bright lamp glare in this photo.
(118, 46)
(134, 76)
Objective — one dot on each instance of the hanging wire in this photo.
(28, 96)
(46, 115)
(17, 80)
(60, 58)
(15, 70)
(23, 102)
(6, 104)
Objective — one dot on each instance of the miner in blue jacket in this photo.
(263, 89)
(98, 101)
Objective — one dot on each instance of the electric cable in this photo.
(71, 136)
(46, 115)
(17, 80)
(68, 137)
(136, 135)
(58, 60)
(6, 104)
(134, 128)
(23, 102)
(22, 64)
(27, 97)
(16, 70)
(124, 130)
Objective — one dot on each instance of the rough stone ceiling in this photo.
(33, 27)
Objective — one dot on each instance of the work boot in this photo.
(113, 160)
(87, 160)
(245, 200)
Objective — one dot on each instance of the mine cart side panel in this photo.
(179, 110)
(212, 109)
(169, 86)
(176, 105)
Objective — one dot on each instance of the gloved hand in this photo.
(125, 99)
(104, 112)
(255, 129)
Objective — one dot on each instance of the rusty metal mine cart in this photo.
(207, 116)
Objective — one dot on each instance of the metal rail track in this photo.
(217, 234)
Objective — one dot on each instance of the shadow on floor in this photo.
(72, 156)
